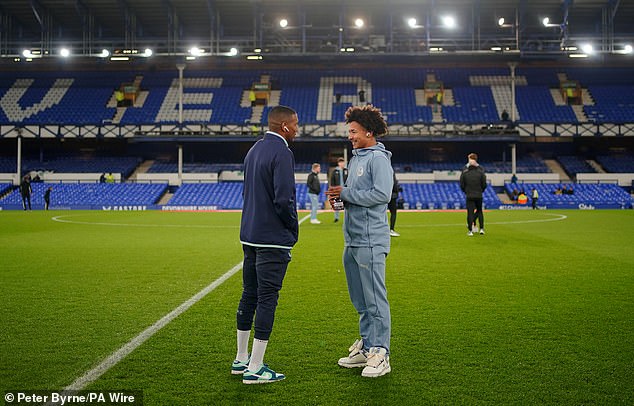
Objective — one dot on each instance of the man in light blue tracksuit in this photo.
(366, 194)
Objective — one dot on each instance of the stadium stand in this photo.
(193, 167)
(442, 196)
(68, 164)
(573, 165)
(617, 163)
(585, 196)
(214, 97)
(74, 195)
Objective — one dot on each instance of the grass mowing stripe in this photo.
(114, 358)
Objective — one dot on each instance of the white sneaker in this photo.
(394, 233)
(378, 363)
(482, 231)
(357, 357)
(315, 221)
(470, 234)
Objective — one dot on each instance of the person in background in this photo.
(25, 191)
(473, 182)
(338, 178)
(314, 188)
(393, 206)
(361, 96)
(110, 178)
(268, 231)
(102, 178)
(365, 195)
(514, 178)
(504, 116)
(47, 197)
(534, 198)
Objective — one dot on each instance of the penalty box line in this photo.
(114, 358)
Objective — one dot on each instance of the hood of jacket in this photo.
(378, 147)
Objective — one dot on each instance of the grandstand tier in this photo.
(321, 96)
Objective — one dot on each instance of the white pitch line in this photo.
(556, 217)
(114, 358)
(60, 219)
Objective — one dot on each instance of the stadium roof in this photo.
(172, 27)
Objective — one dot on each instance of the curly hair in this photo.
(369, 117)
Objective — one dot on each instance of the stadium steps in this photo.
(112, 103)
(503, 99)
(144, 167)
(436, 115)
(140, 100)
(165, 198)
(579, 113)
(555, 167)
(504, 198)
(244, 101)
(448, 99)
(597, 167)
(274, 98)
(419, 96)
(118, 115)
(586, 97)
(557, 97)
(256, 114)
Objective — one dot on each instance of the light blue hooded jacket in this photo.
(366, 194)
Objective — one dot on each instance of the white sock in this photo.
(243, 345)
(257, 354)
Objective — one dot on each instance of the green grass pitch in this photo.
(539, 310)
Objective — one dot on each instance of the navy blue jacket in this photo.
(269, 212)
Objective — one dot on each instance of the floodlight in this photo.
(195, 51)
(359, 23)
(627, 49)
(449, 22)
(283, 23)
(587, 48)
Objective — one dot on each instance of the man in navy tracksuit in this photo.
(268, 231)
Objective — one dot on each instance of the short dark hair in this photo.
(280, 113)
(369, 117)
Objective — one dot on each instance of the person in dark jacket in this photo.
(338, 178)
(47, 198)
(314, 188)
(393, 205)
(25, 191)
(268, 231)
(473, 181)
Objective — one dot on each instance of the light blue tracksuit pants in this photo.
(365, 274)
(314, 205)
